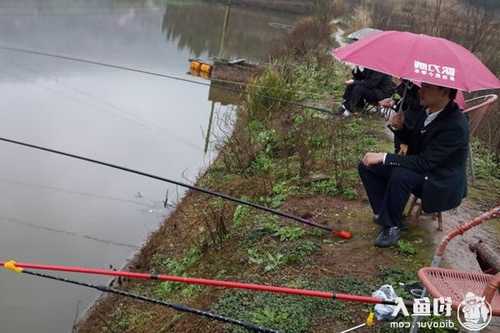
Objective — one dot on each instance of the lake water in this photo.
(56, 210)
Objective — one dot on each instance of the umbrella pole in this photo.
(405, 91)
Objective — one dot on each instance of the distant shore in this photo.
(290, 6)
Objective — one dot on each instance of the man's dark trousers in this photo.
(388, 190)
(356, 94)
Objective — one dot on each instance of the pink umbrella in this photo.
(460, 100)
(421, 58)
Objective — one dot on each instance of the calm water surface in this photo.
(62, 211)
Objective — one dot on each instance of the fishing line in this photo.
(162, 75)
(16, 221)
(339, 233)
(177, 307)
(118, 112)
(84, 194)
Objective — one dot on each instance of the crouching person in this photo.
(435, 171)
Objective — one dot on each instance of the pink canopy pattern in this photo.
(420, 58)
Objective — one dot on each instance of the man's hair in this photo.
(452, 94)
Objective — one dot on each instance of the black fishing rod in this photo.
(166, 76)
(177, 307)
(340, 233)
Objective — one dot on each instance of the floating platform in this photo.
(225, 71)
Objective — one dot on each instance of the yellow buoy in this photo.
(195, 66)
(206, 68)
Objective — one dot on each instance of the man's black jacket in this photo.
(438, 152)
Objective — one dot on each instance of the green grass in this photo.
(289, 313)
(270, 246)
(241, 214)
(176, 267)
(126, 319)
(406, 248)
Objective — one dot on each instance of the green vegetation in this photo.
(485, 190)
(486, 164)
(270, 246)
(125, 319)
(175, 267)
(301, 161)
(289, 313)
(406, 248)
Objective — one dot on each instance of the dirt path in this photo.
(458, 255)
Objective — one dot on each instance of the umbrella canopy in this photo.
(422, 58)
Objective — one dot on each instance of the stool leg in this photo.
(440, 221)
(419, 212)
(413, 202)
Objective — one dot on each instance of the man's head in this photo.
(434, 96)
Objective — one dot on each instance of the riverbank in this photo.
(295, 160)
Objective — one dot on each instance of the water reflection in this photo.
(198, 28)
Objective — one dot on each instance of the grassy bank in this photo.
(293, 159)
(296, 160)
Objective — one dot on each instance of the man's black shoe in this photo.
(402, 227)
(388, 237)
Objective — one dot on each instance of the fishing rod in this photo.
(339, 233)
(177, 307)
(19, 267)
(162, 75)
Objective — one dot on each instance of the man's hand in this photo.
(386, 102)
(397, 120)
(373, 159)
(403, 149)
(348, 82)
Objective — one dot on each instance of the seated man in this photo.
(435, 170)
(367, 86)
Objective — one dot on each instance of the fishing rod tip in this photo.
(344, 234)
(11, 265)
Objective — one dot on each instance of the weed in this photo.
(240, 214)
(125, 319)
(174, 267)
(289, 233)
(406, 248)
(349, 194)
(262, 163)
(300, 251)
(265, 96)
(215, 220)
(289, 313)
(486, 163)
(267, 260)
(327, 187)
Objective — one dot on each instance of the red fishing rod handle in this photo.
(12, 265)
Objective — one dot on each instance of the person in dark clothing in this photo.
(405, 99)
(366, 87)
(434, 171)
